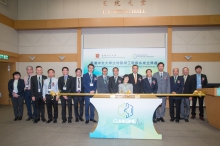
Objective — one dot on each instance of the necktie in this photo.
(65, 80)
(185, 79)
(28, 81)
(161, 76)
(150, 81)
(39, 82)
(105, 80)
(91, 78)
(49, 86)
(135, 78)
(79, 83)
(115, 79)
(175, 79)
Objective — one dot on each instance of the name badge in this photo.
(26, 86)
(91, 84)
(14, 91)
(49, 90)
(38, 90)
(64, 88)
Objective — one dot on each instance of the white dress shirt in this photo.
(47, 88)
(78, 83)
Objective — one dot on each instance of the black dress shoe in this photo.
(29, 118)
(158, 119)
(162, 120)
(81, 119)
(16, 118)
(154, 120)
(43, 120)
(87, 121)
(69, 121)
(77, 119)
(35, 121)
(64, 121)
(202, 118)
(177, 121)
(186, 120)
(93, 120)
(55, 121)
(193, 117)
(19, 118)
(171, 120)
(48, 121)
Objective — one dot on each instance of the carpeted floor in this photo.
(22, 133)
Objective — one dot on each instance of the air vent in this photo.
(4, 2)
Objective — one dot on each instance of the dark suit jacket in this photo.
(194, 81)
(112, 86)
(20, 87)
(86, 83)
(75, 85)
(187, 88)
(69, 84)
(136, 87)
(34, 85)
(147, 88)
(176, 87)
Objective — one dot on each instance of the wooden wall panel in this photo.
(196, 57)
(29, 24)
(47, 57)
(169, 49)
(62, 23)
(7, 21)
(79, 47)
(100, 22)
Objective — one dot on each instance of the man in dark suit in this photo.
(65, 85)
(176, 87)
(102, 82)
(135, 79)
(78, 88)
(36, 92)
(114, 81)
(185, 102)
(90, 85)
(199, 81)
(149, 86)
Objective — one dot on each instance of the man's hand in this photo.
(57, 98)
(173, 92)
(167, 97)
(33, 98)
(44, 98)
(92, 92)
(65, 97)
(190, 98)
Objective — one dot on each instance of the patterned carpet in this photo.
(22, 133)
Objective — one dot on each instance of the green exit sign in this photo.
(5, 57)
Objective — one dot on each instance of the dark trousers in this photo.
(89, 107)
(52, 103)
(18, 106)
(201, 110)
(28, 100)
(177, 103)
(69, 104)
(80, 101)
(39, 102)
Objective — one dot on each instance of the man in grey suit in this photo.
(163, 80)
(102, 82)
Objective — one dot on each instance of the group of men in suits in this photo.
(38, 89)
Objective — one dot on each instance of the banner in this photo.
(123, 58)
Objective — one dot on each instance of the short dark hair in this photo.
(160, 63)
(16, 73)
(135, 65)
(115, 68)
(65, 68)
(104, 68)
(50, 70)
(78, 69)
(125, 76)
(198, 66)
(149, 70)
(91, 65)
(38, 67)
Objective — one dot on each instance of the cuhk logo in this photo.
(97, 55)
(125, 110)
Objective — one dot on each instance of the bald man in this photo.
(176, 87)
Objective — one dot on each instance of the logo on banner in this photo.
(125, 110)
(97, 55)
